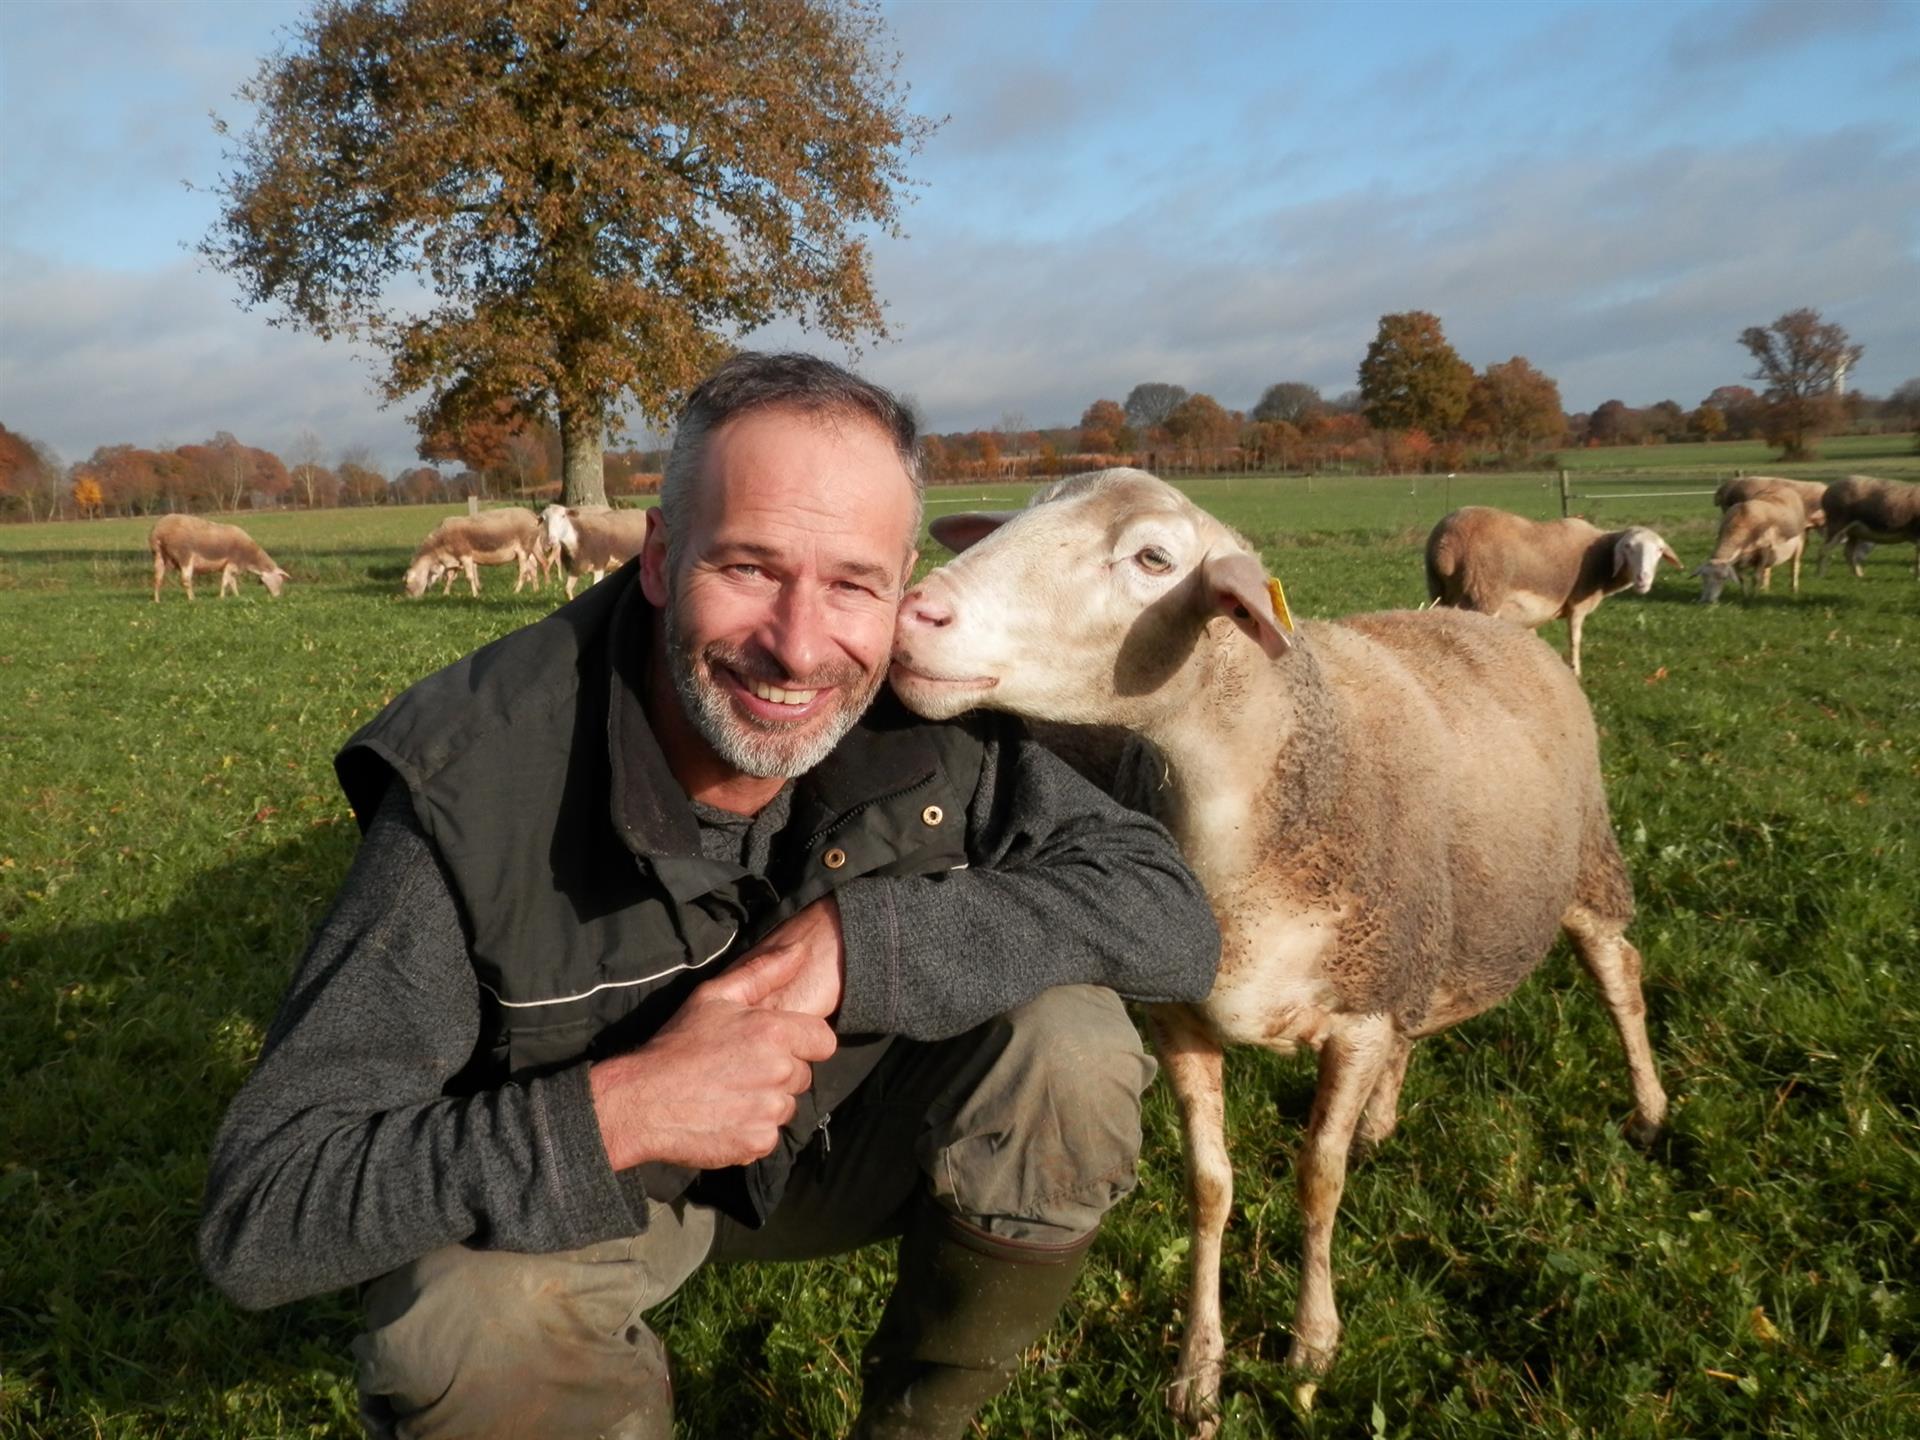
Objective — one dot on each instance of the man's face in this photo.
(779, 620)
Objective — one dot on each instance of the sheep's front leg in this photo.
(1801, 550)
(1574, 623)
(1352, 1061)
(1195, 1069)
(472, 572)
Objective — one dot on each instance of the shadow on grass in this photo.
(120, 1045)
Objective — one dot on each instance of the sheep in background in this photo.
(462, 543)
(1755, 536)
(1393, 815)
(593, 539)
(188, 543)
(1811, 494)
(1862, 510)
(1533, 571)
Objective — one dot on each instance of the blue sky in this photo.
(1221, 196)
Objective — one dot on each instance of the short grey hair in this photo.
(755, 380)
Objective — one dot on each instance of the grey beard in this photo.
(764, 753)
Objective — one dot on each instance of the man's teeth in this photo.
(779, 696)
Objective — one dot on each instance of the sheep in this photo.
(1392, 815)
(188, 543)
(461, 543)
(1810, 493)
(1755, 536)
(1861, 510)
(593, 539)
(1533, 571)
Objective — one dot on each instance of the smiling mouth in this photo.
(766, 701)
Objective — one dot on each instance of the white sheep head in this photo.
(1637, 555)
(1088, 607)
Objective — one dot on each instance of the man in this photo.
(666, 943)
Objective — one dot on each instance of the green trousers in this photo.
(1025, 1130)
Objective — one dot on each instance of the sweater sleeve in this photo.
(342, 1157)
(1064, 886)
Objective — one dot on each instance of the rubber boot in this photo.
(965, 1306)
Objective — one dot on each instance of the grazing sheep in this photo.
(1533, 571)
(462, 543)
(1755, 536)
(1862, 510)
(1811, 494)
(1393, 816)
(187, 543)
(593, 539)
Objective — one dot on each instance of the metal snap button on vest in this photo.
(933, 814)
(834, 858)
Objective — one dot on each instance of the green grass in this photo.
(1506, 1266)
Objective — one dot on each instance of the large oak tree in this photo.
(1412, 379)
(571, 208)
(1803, 360)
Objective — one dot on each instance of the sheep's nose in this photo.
(921, 611)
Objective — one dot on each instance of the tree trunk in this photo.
(583, 470)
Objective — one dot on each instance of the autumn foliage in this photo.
(598, 196)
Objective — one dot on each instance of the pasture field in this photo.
(1507, 1265)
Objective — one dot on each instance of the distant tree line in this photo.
(1418, 406)
(504, 457)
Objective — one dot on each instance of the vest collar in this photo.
(886, 753)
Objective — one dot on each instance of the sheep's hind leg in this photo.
(1615, 966)
(1382, 1112)
(1196, 1071)
(1352, 1062)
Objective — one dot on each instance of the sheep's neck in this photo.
(1249, 757)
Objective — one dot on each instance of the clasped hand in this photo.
(715, 1085)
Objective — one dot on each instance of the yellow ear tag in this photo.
(1279, 599)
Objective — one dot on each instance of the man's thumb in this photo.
(753, 979)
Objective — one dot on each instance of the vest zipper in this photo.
(826, 1136)
(866, 805)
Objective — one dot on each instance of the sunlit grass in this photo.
(1507, 1265)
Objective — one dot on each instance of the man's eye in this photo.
(744, 571)
(1154, 560)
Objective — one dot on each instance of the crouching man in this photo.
(668, 943)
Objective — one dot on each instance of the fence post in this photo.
(473, 504)
(1566, 500)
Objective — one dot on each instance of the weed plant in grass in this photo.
(1506, 1264)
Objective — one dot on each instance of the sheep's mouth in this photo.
(903, 673)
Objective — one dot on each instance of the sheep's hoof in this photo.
(1641, 1132)
(1314, 1359)
(1194, 1399)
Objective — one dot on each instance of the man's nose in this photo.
(920, 610)
(796, 632)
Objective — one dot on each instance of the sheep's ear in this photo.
(958, 532)
(1235, 585)
(1666, 554)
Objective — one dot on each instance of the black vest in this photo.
(574, 856)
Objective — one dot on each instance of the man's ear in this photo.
(1234, 584)
(957, 532)
(653, 560)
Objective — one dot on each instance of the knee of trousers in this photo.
(486, 1345)
(1040, 1135)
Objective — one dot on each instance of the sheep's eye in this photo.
(1154, 560)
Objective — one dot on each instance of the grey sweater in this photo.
(342, 1157)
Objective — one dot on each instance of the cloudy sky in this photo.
(1220, 196)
